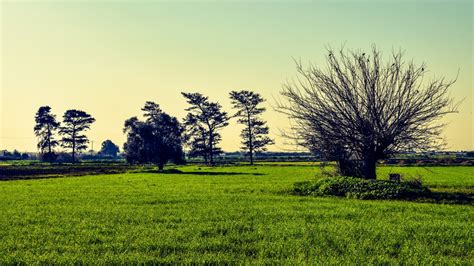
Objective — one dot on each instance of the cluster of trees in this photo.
(14, 155)
(162, 138)
(356, 111)
(108, 148)
(71, 132)
(156, 140)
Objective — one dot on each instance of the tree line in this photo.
(71, 132)
(355, 111)
(160, 137)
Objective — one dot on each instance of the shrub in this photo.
(359, 188)
(48, 157)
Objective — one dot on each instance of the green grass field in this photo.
(229, 214)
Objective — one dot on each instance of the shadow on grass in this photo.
(461, 198)
(20, 172)
(176, 171)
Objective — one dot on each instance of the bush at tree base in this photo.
(359, 188)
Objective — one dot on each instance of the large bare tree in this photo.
(359, 109)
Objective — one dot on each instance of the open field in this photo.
(229, 214)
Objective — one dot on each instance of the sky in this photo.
(109, 57)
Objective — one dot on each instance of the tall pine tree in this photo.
(254, 135)
(203, 123)
(45, 128)
(74, 123)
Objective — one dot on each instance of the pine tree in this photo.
(254, 135)
(74, 123)
(45, 128)
(203, 123)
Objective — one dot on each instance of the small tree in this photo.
(359, 110)
(254, 135)
(203, 123)
(156, 140)
(73, 125)
(45, 128)
(16, 154)
(109, 148)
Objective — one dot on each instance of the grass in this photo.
(449, 177)
(228, 214)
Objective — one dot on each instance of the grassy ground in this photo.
(228, 214)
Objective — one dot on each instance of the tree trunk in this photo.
(347, 168)
(73, 145)
(250, 139)
(211, 148)
(369, 168)
(161, 166)
(251, 157)
(49, 145)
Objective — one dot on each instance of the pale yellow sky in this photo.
(108, 58)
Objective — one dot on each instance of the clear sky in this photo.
(108, 58)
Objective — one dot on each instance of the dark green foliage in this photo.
(74, 123)
(45, 128)
(203, 123)
(109, 148)
(156, 140)
(254, 135)
(48, 157)
(362, 188)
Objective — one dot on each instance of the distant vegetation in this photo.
(75, 122)
(156, 140)
(358, 112)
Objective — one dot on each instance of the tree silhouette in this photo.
(74, 123)
(203, 123)
(156, 140)
(45, 128)
(196, 138)
(254, 135)
(359, 110)
(109, 148)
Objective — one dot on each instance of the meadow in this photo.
(230, 214)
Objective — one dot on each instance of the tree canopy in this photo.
(109, 148)
(156, 140)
